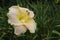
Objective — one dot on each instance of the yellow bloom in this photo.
(21, 19)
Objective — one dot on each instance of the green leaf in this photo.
(56, 32)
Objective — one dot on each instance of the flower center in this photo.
(23, 16)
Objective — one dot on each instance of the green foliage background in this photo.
(47, 17)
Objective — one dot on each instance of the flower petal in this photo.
(31, 26)
(31, 14)
(13, 9)
(18, 30)
(13, 21)
(12, 15)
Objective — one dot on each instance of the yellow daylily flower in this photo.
(21, 19)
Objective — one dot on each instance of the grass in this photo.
(47, 17)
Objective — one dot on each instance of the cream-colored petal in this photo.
(31, 26)
(12, 15)
(31, 14)
(23, 9)
(13, 20)
(18, 30)
(14, 9)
